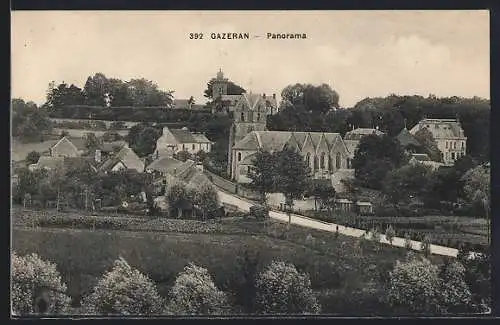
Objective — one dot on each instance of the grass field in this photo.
(345, 276)
(19, 150)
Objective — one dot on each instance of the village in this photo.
(331, 175)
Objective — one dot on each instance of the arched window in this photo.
(337, 161)
(239, 156)
(242, 117)
(258, 117)
(330, 164)
(315, 163)
(322, 161)
(308, 159)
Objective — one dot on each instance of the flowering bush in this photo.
(194, 293)
(413, 286)
(124, 291)
(34, 279)
(455, 294)
(281, 289)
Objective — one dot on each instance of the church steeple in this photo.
(220, 75)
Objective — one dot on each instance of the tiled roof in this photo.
(181, 103)
(405, 138)
(165, 164)
(183, 136)
(78, 162)
(200, 138)
(249, 142)
(358, 133)
(119, 156)
(78, 142)
(50, 162)
(272, 140)
(440, 128)
(110, 146)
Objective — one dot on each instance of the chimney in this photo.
(98, 156)
(264, 95)
(274, 96)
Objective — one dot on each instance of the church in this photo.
(325, 153)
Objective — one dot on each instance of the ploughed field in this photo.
(348, 277)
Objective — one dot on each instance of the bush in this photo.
(413, 286)
(281, 289)
(34, 280)
(389, 234)
(259, 212)
(124, 291)
(194, 293)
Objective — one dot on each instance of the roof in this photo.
(351, 146)
(276, 140)
(421, 157)
(358, 133)
(165, 164)
(119, 156)
(50, 162)
(109, 146)
(79, 143)
(181, 103)
(405, 138)
(78, 162)
(440, 128)
(343, 201)
(364, 203)
(248, 160)
(64, 141)
(200, 138)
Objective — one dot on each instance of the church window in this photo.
(330, 164)
(315, 163)
(455, 145)
(242, 117)
(239, 156)
(446, 144)
(258, 116)
(192, 146)
(308, 159)
(322, 161)
(248, 170)
(338, 162)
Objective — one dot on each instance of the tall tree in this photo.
(406, 182)
(263, 174)
(293, 176)
(318, 99)
(28, 121)
(95, 90)
(429, 145)
(64, 95)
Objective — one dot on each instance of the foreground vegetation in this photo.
(348, 276)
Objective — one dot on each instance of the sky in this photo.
(358, 53)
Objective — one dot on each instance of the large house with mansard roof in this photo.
(325, 153)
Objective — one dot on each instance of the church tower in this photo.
(219, 87)
(250, 114)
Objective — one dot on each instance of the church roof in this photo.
(276, 140)
(405, 138)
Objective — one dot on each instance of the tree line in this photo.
(414, 286)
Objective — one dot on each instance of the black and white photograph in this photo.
(250, 163)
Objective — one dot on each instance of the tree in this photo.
(477, 189)
(325, 193)
(36, 282)
(318, 99)
(91, 141)
(281, 289)
(456, 296)
(406, 182)
(413, 286)
(389, 234)
(111, 136)
(95, 90)
(178, 196)
(117, 125)
(28, 121)
(124, 291)
(207, 200)
(374, 158)
(194, 293)
(144, 92)
(64, 95)
(32, 157)
(232, 89)
(293, 176)
(142, 139)
(183, 155)
(263, 174)
(242, 286)
(429, 145)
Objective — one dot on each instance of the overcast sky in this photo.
(359, 53)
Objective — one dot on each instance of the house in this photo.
(424, 159)
(343, 205)
(181, 140)
(67, 147)
(324, 153)
(408, 141)
(106, 149)
(125, 158)
(448, 135)
(63, 163)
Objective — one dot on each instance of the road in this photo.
(299, 220)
